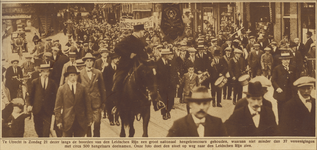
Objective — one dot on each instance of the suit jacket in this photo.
(95, 87)
(56, 72)
(163, 75)
(236, 67)
(240, 123)
(296, 120)
(189, 83)
(186, 127)
(80, 54)
(284, 80)
(221, 67)
(181, 66)
(298, 62)
(12, 83)
(301, 49)
(69, 106)
(255, 59)
(307, 45)
(99, 62)
(41, 98)
(57, 57)
(107, 74)
(201, 63)
(27, 67)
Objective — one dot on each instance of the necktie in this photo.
(44, 83)
(308, 101)
(254, 114)
(200, 130)
(73, 89)
(114, 67)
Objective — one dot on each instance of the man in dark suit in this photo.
(227, 44)
(227, 89)
(299, 112)
(131, 50)
(164, 82)
(201, 61)
(47, 59)
(74, 100)
(253, 119)
(297, 59)
(198, 123)
(12, 75)
(92, 80)
(254, 60)
(41, 101)
(236, 68)
(55, 54)
(308, 42)
(107, 74)
(218, 68)
(300, 47)
(102, 62)
(283, 77)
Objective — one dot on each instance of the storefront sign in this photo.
(129, 23)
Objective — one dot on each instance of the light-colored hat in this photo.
(228, 49)
(48, 54)
(200, 47)
(199, 94)
(55, 49)
(238, 51)
(267, 49)
(166, 51)
(304, 81)
(213, 40)
(28, 56)
(45, 67)
(17, 101)
(13, 59)
(104, 50)
(256, 45)
(72, 54)
(191, 50)
(88, 56)
(285, 56)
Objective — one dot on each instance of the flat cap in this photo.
(304, 81)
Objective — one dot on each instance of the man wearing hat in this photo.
(198, 123)
(57, 44)
(80, 65)
(164, 82)
(75, 117)
(309, 40)
(28, 66)
(104, 61)
(227, 89)
(71, 62)
(49, 45)
(13, 73)
(311, 56)
(263, 42)
(47, 59)
(283, 77)
(92, 80)
(214, 47)
(108, 74)
(299, 113)
(218, 68)
(41, 101)
(79, 50)
(236, 68)
(227, 44)
(297, 59)
(131, 50)
(266, 62)
(253, 119)
(254, 60)
(201, 60)
(55, 54)
(39, 49)
(300, 47)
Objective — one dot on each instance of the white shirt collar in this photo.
(253, 111)
(302, 98)
(197, 120)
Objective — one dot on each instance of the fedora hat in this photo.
(199, 94)
(70, 69)
(255, 89)
(80, 63)
(114, 55)
(88, 56)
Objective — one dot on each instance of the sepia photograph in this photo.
(239, 73)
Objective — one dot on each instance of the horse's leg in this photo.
(131, 121)
(146, 119)
(122, 132)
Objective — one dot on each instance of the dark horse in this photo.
(139, 88)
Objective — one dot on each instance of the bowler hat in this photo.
(70, 69)
(255, 89)
(88, 56)
(199, 94)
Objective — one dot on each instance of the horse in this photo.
(139, 88)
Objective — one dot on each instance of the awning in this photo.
(16, 17)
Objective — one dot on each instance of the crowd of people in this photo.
(72, 82)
